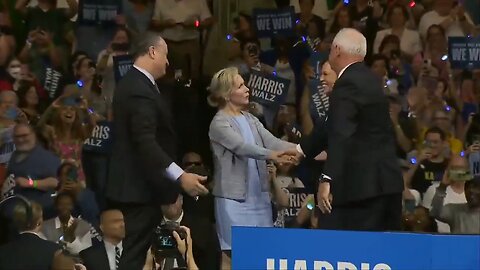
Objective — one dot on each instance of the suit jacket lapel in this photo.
(103, 259)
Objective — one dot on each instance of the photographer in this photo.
(184, 246)
(463, 218)
(251, 58)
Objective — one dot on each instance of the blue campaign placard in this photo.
(297, 249)
(266, 89)
(121, 65)
(464, 52)
(101, 138)
(272, 22)
(91, 12)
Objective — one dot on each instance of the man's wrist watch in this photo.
(325, 179)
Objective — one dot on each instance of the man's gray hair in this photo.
(351, 41)
(143, 42)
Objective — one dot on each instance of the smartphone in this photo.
(72, 174)
(459, 175)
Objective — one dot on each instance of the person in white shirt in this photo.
(455, 192)
(179, 22)
(410, 42)
(451, 16)
(72, 233)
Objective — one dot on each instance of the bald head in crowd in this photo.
(112, 225)
(348, 46)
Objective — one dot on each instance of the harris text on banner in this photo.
(464, 52)
(296, 249)
(272, 22)
(101, 139)
(266, 89)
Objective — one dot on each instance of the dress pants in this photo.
(382, 213)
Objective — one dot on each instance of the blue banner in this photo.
(296, 249)
(474, 160)
(52, 82)
(121, 65)
(92, 12)
(464, 52)
(319, 101)
(101, 139)
(272, 22)
(266, 89)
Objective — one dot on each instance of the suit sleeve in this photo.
(142, 125)
(342, 125)
(222, 133)
(315, 142)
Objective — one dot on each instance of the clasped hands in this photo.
(289, 157)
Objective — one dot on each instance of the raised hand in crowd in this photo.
(193, 184)
(185, 248)
(69, 231)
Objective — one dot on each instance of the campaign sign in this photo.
(296, 198)
(266, 89)
(298, 249)
(98, 11)
(52, 81)
(101, 139)
(121, 65)
(474, 160)
(319, 101)
(464, 52)
(272, 22)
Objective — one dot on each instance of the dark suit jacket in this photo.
(28, 251)
(206, 248)
(144, 143)
(315, 142)
(361, 143)
(95, 257)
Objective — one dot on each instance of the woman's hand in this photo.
(184, 246)
(282, 157)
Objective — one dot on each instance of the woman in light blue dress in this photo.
(241, 146)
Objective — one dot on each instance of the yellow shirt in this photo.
(456, 146)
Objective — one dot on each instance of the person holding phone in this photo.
(455, 178)
(429, 165)
(462, 217)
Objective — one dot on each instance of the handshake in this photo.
(289, 157)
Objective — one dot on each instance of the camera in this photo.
(164, 243)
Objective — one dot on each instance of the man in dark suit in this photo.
(205, 244)
(36, 252)
(107, 255)
(362, 178)
(142, 163)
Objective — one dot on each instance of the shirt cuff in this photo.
(325, 178)
(299, 149)
(173, 172)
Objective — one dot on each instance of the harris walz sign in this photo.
(101, 139)
(268, 90)
(91, 12)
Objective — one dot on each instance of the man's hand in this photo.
(192, 184)
(69, 233)
(283, 157)
(324, 198)
(297, 156)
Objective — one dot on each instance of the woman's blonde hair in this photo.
(221, 86)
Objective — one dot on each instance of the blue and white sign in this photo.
(121, 65)
(296, 249)
(272, 22)
(98, 11)
(319, 101)
(464, 52)
(268, 90)
(101, 139)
